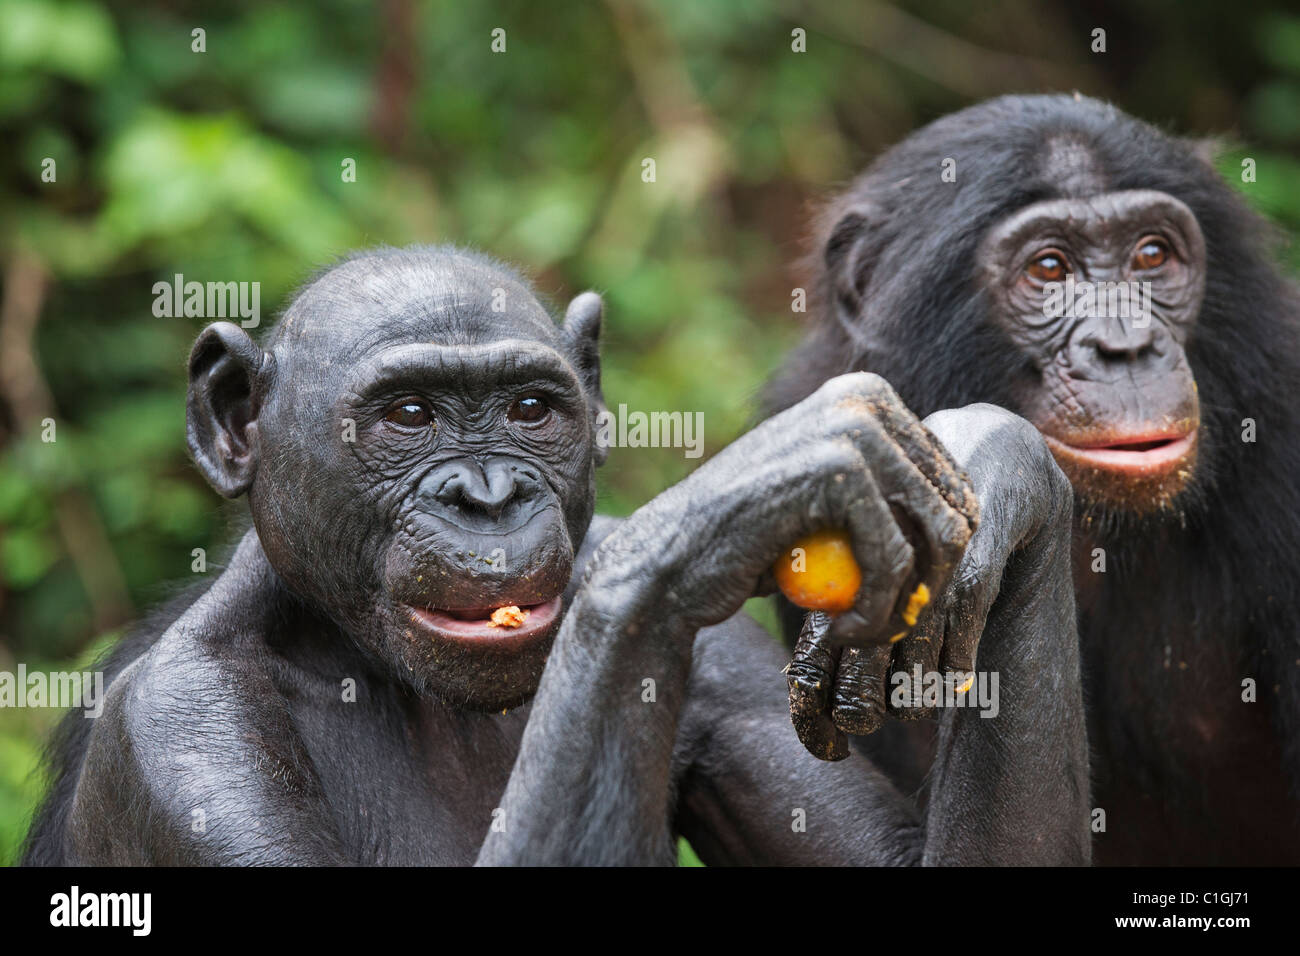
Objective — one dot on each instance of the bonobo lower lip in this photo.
(456, 625)
(1135, 454)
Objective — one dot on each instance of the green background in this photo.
(225, 165)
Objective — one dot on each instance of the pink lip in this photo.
(539, 622)
(1163, 453)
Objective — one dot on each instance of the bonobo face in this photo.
(425, 458)
(1100, 294)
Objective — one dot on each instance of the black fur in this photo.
(1195, 599)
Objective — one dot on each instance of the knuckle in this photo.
(833, 389)
(840, 459)
(874, 386)
(954, 533)
(865, 387)
(856, 383)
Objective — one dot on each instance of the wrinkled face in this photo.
(425, 462)
(1100, 294)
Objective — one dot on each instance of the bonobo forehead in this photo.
(434, 295)
(1071, 167)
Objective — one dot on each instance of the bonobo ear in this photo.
(582, 331)
(848, 259)
(228, 374)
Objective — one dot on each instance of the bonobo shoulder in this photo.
(190, 739)
(175, 689)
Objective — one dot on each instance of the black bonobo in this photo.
(421, 653)
(1097, 276)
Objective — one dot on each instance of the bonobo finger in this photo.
(938, 529)
(860, 696)
(938, 536)
(961, 645)
(932, 459)
(923, 479)
(887, 562)
(975, 587)
(811, 675)
(873, 399)
(916, 656)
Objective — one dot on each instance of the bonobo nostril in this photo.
(1119, 341)
(1127, 352)
(485, 487)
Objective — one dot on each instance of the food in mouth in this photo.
(489, 625)
(510, 616)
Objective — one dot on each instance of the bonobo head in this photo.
(417, 444)
(1055, 256)
(1098, 294)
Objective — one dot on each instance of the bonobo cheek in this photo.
(324, 554)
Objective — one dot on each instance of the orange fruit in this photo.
(819, 572)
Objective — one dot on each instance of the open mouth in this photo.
(1132, 454)
(514, 624)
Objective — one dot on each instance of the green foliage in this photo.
(226, 165)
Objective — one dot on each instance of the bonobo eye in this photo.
(1048, 266)
(1151, 253)
(530, 408)
(410, 413)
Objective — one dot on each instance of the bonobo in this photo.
(1096, 275)
(416, 440)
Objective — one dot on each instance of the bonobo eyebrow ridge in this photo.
(1008, 238)
(517, 361)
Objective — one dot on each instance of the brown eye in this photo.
(410, 414)
(1151, 253)
(530, 408)
(1049, 266)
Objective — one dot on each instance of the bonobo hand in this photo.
(850, 456)
(1026, 503)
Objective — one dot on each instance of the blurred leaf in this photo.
(73, 39)
(25, 555)
(1278, 36)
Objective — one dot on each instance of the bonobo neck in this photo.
(256, 599)
(249, 571)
